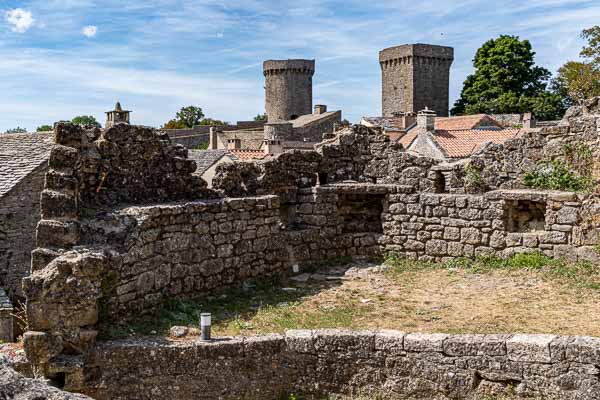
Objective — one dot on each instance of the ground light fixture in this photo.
(205, 322)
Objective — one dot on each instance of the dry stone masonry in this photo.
(385, 363)
(126, 225)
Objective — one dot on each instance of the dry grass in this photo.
(530, 295)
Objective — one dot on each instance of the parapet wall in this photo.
(388, 364)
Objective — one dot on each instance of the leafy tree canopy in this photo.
(592, 50)
(44, 128)
(506, 80)
(580, 80)
(18, 129)
(174, 124)
(87, 120)
(212, 122)
(190, 116)
(261, 117)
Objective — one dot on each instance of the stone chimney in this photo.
(320, 109)
(234, 144)
(426, 120)
(528, 121)
(213, 138)
(273, 146)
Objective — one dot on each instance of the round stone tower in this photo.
(288, 88)
(415, 77)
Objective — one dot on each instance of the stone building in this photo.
(453, 138)
(415, 76)
(23, 164)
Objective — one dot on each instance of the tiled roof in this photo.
(20, 155)
(466, 122)
(462, 143)
(206, 158)
(385, 122)
(407, 139)
(307, 119)
(247, 155)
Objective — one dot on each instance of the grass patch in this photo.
(581, 274)
(527, 292)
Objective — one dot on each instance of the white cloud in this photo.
(90, 31)
(21, 20)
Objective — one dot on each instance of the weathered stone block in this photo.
(529, 348)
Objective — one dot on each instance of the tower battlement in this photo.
(288, 88)
(415, 77)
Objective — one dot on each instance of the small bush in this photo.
(556, 175)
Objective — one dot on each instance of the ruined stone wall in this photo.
(438, 227)
(502, 166)
(387, 364)
(16, 386)
(190, 250)
(19, 215)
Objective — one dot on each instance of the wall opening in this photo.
(525, 215)
(287, 215)
(293, 117)
(360, 213)
(439, 182)
(322, 178)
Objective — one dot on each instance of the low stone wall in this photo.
(438, 227)
(390, 364)
(190, 141)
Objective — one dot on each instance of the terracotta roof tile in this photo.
(246, 155)
(462, 143)
(408, 138)
(465, 122)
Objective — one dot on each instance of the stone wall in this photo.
(437, 227)
(190, 250)
(15, 386)
(19, 215)
(502, 166)
(388, 364)
(6, 318)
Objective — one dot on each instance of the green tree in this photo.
(579, 81)
(592, 51)
(44, 128)
(212, 122)
(190, 116)
(174, 124)
(261, 117)
(18, 129)
(506, 80)
(87, 120)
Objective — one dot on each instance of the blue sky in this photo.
(61, 58)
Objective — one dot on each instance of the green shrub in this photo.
(556, 175)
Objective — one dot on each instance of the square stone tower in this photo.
(415, 76)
